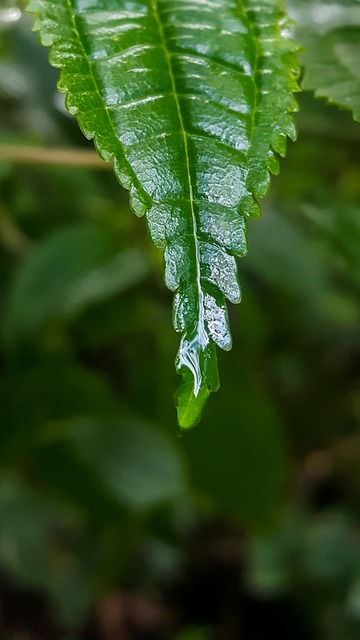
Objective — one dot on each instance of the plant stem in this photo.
(21, 154)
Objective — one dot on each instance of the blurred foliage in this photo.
(111, 526)
(330, 34)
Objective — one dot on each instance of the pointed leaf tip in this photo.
(192, 393)
(190, 407)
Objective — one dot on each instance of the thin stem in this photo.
(21, 154)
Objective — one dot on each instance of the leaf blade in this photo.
(181, 96)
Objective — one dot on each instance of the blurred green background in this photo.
(111, 526)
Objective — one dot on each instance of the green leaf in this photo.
(70, 270)
(33, 551)
(65, 390)
(271, 554)
(190, 100)
(330, 33)
(139, 465)
(26, 522)
(49, 547)
(80, 485)
(241, 468)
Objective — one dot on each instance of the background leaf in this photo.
(95, 269)
(139, 465)
(330, 34)
(244, 470)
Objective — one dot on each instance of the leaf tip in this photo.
(190, 406)
(193, 392)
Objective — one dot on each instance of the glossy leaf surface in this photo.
(330, 34)
(190, 100)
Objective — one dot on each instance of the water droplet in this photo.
(13, 14)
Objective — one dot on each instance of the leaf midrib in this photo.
(200, 339)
